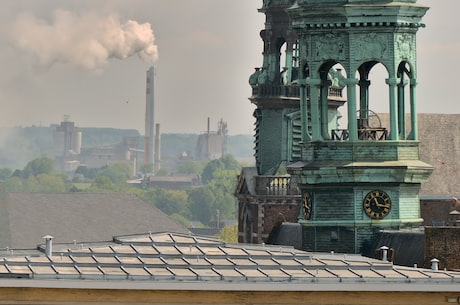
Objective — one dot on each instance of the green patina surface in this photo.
(330, 48)
(358, 35)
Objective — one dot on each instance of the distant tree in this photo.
(162, 172)
(223, 186)
(38, 166)
(200, 201)
(229, 234)
(102, 184)
(168, 201)
(146, 168)
(18, 173)
(5, 173)
(190, 167)
(31, 184)
(180, 220)
(209, 169)
(86, 172)
(116, 172)
(14, 184)
(74, 189)
(230, 163)
(227, 163)
(50, 183)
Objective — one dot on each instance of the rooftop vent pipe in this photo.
(384, 250)
(48, 245)
(435, 264)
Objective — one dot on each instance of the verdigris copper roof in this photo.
(174, 258)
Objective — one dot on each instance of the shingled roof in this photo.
(81, 217)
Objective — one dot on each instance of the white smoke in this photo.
(87, 40)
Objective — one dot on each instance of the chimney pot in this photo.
(384, 250)
(48, 245)
(435, 264)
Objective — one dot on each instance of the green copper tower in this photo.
(364, 177)
(265, 192)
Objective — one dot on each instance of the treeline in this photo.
(203, 205)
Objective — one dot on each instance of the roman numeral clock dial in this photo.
(377, 204)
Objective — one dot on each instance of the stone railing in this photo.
(276, 186)
(289, 91)
(274, 3)
(276, 90)
(366, 134)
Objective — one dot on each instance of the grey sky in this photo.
(206, 51)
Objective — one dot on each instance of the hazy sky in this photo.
(88, 59)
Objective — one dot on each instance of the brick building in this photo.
(443, 243)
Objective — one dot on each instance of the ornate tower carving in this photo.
(364, 177)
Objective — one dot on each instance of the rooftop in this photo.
(169, 259)
(26, 217)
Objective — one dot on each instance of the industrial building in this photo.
(212, 145)
(67, 146)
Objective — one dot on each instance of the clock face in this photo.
(377, 204)
(306, 205)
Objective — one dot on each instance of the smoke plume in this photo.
(87, 40)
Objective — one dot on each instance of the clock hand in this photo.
(376, 201)
(380, 205)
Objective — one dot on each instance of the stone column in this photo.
(325, 109)
(413, 110)
(402, 109)
(364, 98)
(314, 85)
(351, 104)
(304, 110)
(289, 55)
(394, 130)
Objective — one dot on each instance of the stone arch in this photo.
(328, 78)
(365, 101)
(246, 223)
(280, 47)
(280, 64)
(405, 74)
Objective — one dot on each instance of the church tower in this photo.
(364, 177)
(274, 94)
(265, 193)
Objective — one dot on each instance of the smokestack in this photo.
(208, 144)
(157, 148)
(149, 116)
